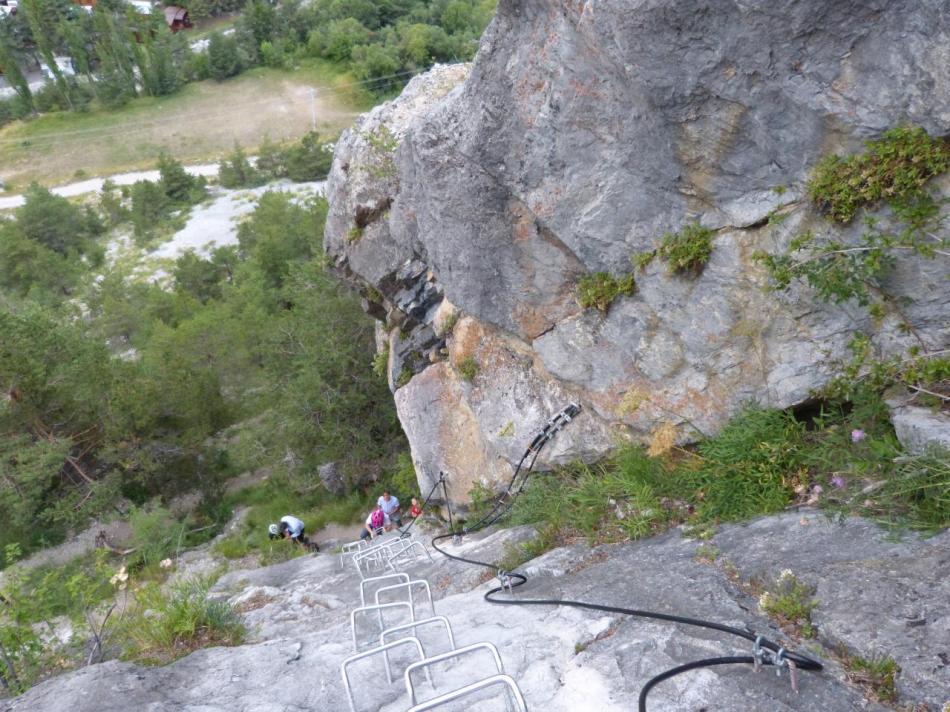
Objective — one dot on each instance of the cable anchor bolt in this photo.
(505, 579)
(757, 654)
(782, 660)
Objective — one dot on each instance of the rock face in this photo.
(920, 429)
(583, 132)
(874, 596)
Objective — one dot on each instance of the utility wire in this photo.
(201, 117)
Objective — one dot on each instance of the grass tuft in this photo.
(688, 250)
(601, 289)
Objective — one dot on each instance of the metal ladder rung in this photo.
(506, 680)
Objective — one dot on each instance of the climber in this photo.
(390, 507)
(415, 511)
(376, 523)
(291, 528)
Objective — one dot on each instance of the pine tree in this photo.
(12, 70)
(39, 16)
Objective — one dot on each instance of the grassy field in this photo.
(198, 124)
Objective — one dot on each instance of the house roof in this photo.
(173, 13)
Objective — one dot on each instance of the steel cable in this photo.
(766, 652)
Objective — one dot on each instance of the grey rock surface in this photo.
(332, 478)
(920, 429)
(874, 594)
(583, 132)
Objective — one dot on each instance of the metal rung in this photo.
(376, 651)
(457, 653)
(408, 586)
(378, 608)
(378, 554)
(400, 576)
(349, 549)
(411, 546)
(417, 624)
(475, 687)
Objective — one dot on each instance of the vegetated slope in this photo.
(569, 659)
(201, 122)
(634, 208)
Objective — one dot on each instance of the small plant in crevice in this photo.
(381, 362)
(600, 289)
(448, 324)
(688, 250)
(404, 377)
(876, 674)
(354, 235)
(467, 368)
(384, 144)
(894, 169)
(641, 260)
(706, 554)
(789, 601)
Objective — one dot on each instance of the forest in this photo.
(115, 53)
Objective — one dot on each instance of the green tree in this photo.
(54, 222)
(11, 68)
(149, 203)
(308, 160)
(377, 64)
(179, 186)
(224, 60)
(41, 17)
(260, 18)
(199, 277)
(342, 36)
(280, 232)
(236, 171)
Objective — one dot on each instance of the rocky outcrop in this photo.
(919, 429)
(583, 132)
(874, 596)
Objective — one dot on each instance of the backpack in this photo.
(377, 519)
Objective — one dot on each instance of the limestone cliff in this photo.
(582, 132)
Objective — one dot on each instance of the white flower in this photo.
(119, 579)
(786, 575)
(764, 600)
(166, 563)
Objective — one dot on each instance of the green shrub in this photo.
(164, 628)
(894, 168)
(748, 468)
(381, 362)
(156, 534)
(236, 171)
(600, 289)
(687, 250)
(403, 481)
(309, 159)
(876, 674)
(642, 259)
(790, 602)
(234, 546)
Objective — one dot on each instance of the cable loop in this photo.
(510, 580)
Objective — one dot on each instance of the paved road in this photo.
(93, 185)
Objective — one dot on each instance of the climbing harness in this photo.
(764, 651)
